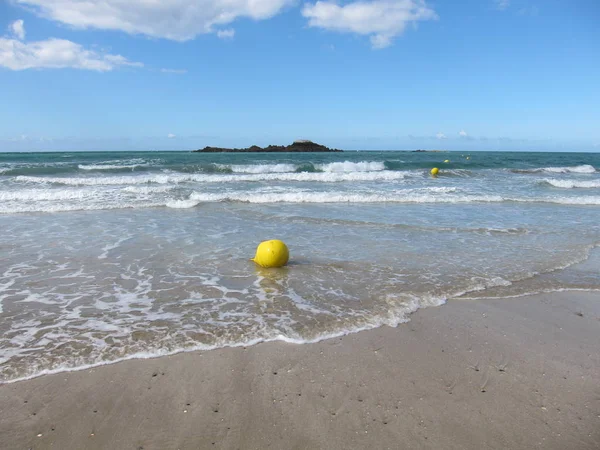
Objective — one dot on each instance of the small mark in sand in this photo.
(155, 374)
(579, 313)
(484, 383)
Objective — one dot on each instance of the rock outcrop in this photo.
(297, 146)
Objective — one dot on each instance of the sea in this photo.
(109, 256)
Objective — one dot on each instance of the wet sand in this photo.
(515, 373)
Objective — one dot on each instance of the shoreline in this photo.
(500, 373)
(341, 334)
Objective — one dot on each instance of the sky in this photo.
(372, 74)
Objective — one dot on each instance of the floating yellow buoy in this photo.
(273, 253)
(446, 160)
(434, 171)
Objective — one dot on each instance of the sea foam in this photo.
(325, 177)
(571, 184)
(349, 166)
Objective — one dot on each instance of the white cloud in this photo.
(382, 20)
(463, 133)
(171, 135)
(502, 4)
(440, 136)
(56, 54)
(23, 137)
(226, 34)
(17, 29)
(179, 20)
(177, 71)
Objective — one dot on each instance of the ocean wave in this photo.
(62, 200)
(338, 197)
(349, 166)
(398, 197)
(261, 168)
(182, 204)
(334, 167)
(325, 177)
(463, 173)
(587, 200)
(108, 166)
(32, 195)
(584, 168)
(146, 190)
(571, 184)
(51, 207)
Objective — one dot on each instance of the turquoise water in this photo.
(110, 256)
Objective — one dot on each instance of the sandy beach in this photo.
(514, 373)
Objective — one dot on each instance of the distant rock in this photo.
(297, 146)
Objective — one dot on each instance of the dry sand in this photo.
(516, 373)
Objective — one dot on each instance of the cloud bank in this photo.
(183, 20)
(15, 54)
(382, 20)
(178, 20)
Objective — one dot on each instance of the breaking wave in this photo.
(324, 177)
(584, 168)
(571, 184)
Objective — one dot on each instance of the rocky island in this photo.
(296, 146)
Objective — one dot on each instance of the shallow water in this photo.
(109, 256)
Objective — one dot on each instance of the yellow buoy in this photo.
(434, 171)
(446, 160)
(273, 253)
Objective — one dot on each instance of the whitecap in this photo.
(348, 166)
(571, 184)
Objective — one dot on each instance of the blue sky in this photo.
(398, 74)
